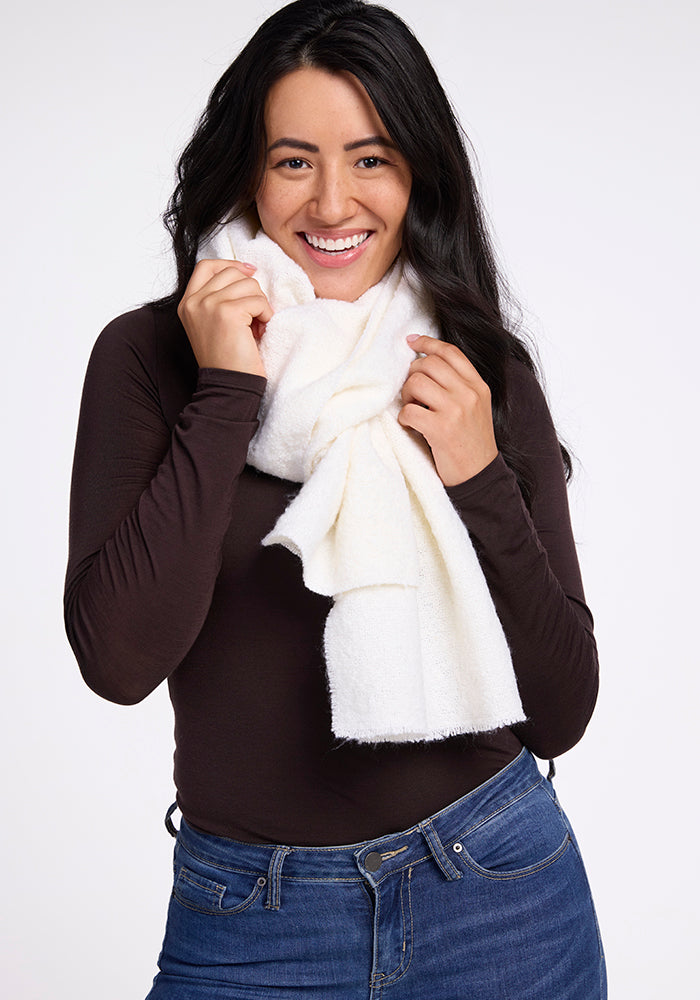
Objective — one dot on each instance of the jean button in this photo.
(373, 861)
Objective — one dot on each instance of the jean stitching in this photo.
(257, 871)
(393, 871)
(404, 867)
(480, 788)
(217, 890)
(376, 978)
(407, 957)
(221, 867)
(519, 872)
(455, 805)
(504, 805)
(592, 906)
(447, 863)
(292, 878)
(274, 878)
(319, 878)
(367, 895)
(437, 851)
(220, 912)
(320, 851)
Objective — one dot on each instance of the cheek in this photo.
(396, 207)
(273, 206)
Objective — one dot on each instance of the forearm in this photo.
(546, 623)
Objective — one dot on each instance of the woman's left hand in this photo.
(446, 400)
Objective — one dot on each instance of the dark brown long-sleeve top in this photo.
(167, 579)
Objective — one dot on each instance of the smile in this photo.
(338, 245)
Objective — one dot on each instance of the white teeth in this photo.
(333, 246)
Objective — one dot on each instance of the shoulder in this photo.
(127, 343)
(145, 348)
(524, 390)
(528, 410)
(140, 334)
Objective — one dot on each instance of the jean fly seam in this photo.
(376, 978)
(407, 954)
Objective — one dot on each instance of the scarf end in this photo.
(428, 735)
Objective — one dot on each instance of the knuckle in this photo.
(185, 308)
(445, 350)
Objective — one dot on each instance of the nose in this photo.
(334, 195)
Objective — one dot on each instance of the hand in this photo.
(224, 313)
(447, 401)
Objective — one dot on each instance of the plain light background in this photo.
(583, 120)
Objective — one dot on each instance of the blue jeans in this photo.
(485, 900)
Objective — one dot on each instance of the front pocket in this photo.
(522, 838)
(237, 893)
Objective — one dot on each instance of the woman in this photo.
(360, 667)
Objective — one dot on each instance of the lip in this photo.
(339, 258)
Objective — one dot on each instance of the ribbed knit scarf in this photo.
(413, 646)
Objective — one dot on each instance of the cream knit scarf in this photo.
(414, 649)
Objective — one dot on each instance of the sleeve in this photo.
(532, 571)
(149, 510)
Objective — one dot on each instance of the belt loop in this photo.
(169, 825)
(274, 878)
(438, 851)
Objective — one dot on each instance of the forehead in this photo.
(311, 103)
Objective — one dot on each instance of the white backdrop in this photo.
(585, 128)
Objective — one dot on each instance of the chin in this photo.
(342, 290)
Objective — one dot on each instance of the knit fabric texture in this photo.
(414, 649)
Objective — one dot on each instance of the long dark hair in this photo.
(445, 236)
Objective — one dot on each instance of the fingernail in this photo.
(251, 267)
(412, 337)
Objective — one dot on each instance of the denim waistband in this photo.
(375, 859)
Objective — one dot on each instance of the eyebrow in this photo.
(308, 147)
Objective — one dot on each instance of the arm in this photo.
(531, 567)
(149, 509)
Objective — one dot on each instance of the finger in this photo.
(222, 294)
(257, 328)
(418, 418)
(227, 284)
(249, 307)
(420, 388)
(233, 284)
(204, 270)
(449, 353)
(440, 371)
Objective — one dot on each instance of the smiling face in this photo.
(335, 188)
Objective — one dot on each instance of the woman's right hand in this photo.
(224, 313)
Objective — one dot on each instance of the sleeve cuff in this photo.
(463, 493)
(223, 378)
